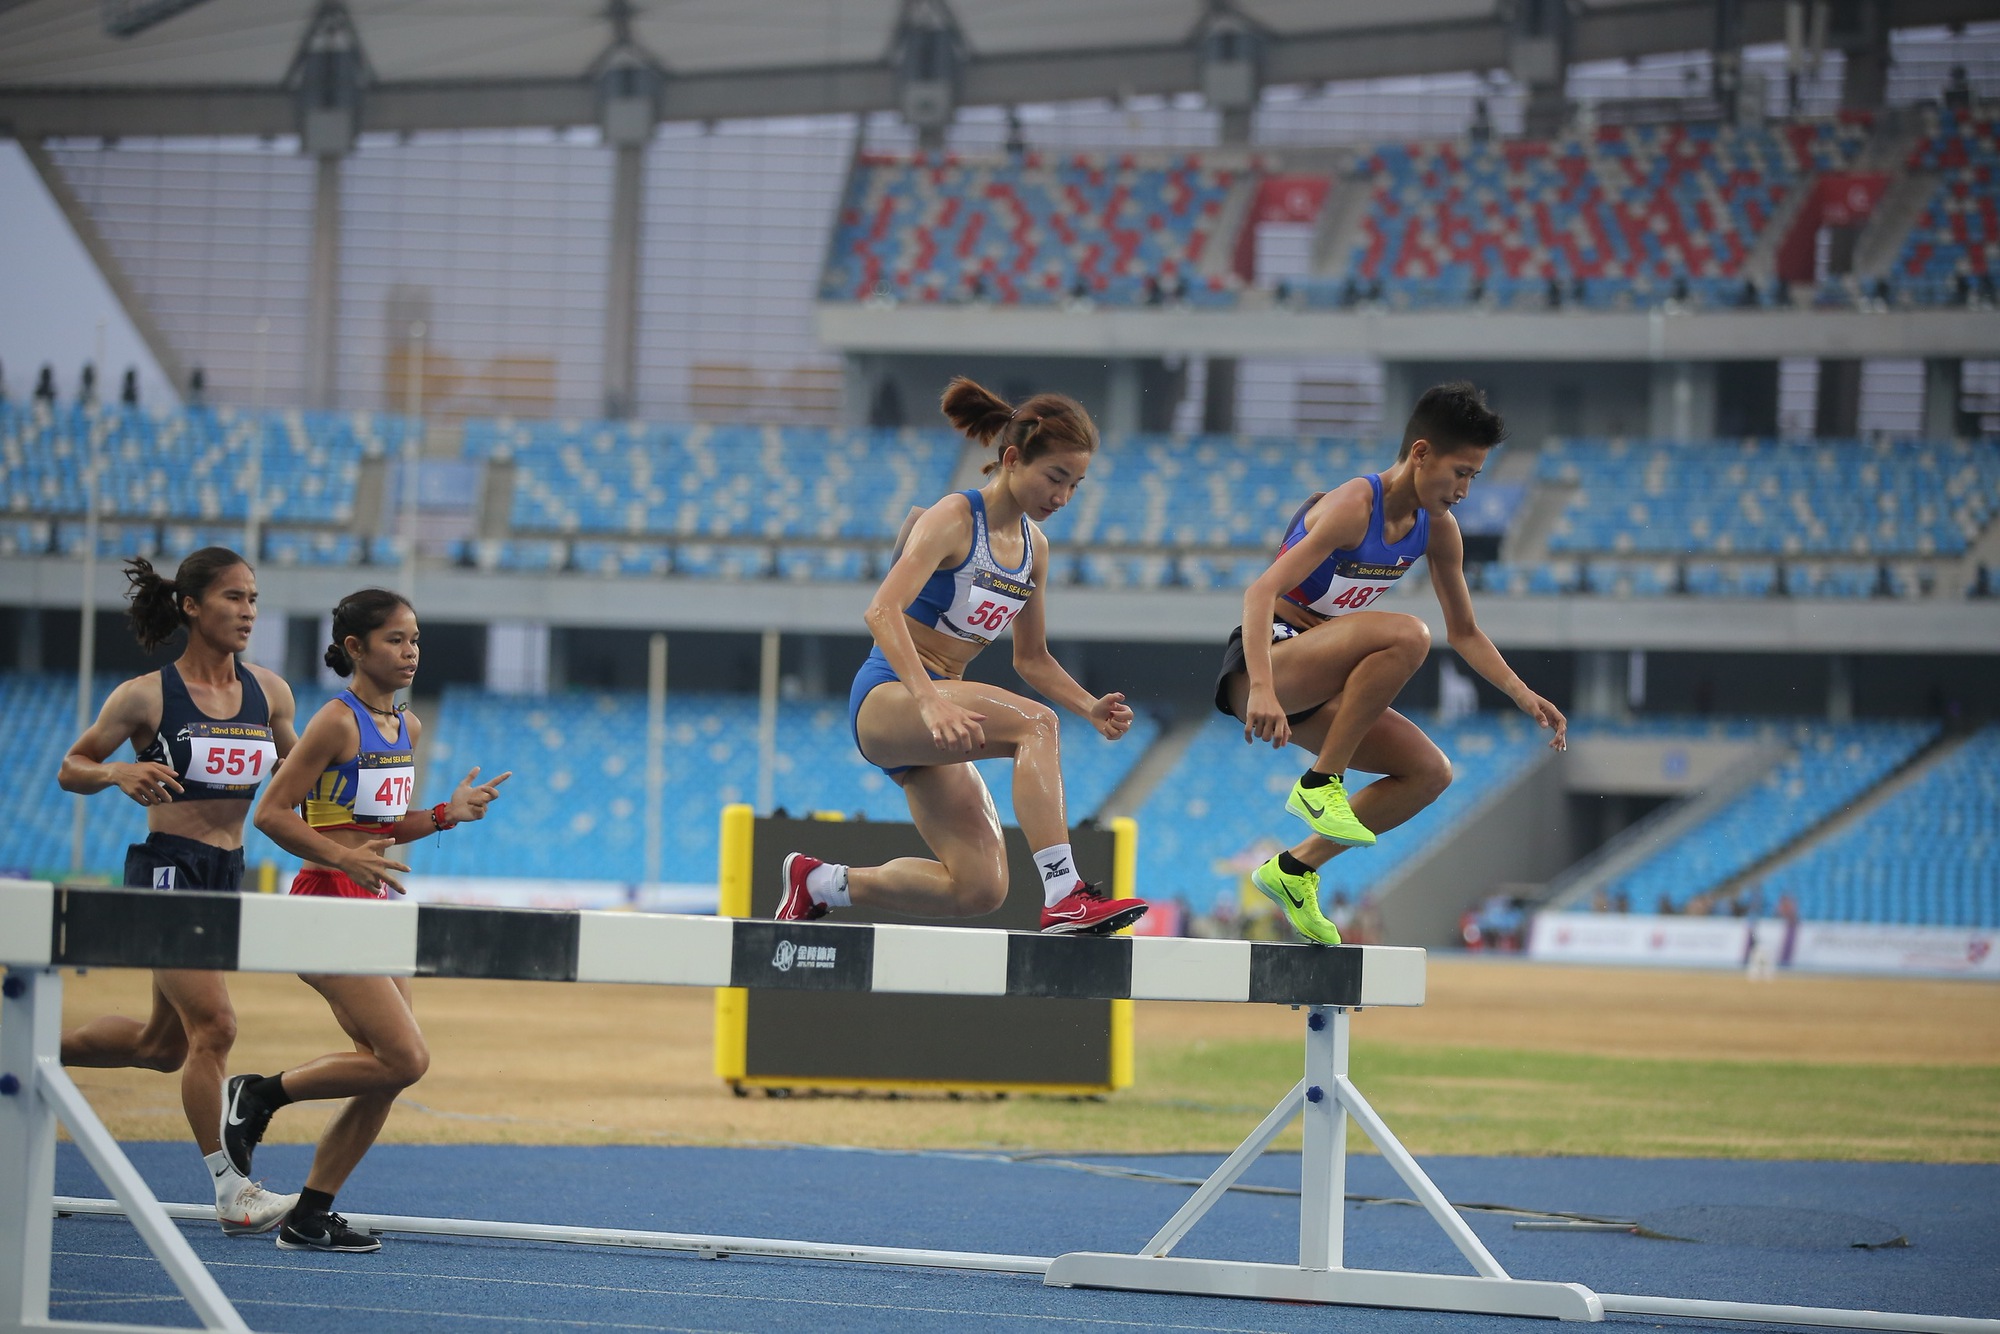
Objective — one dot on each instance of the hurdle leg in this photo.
(1231, 1170)
(1327, 1097)
(39, 1092)
(30, 1023)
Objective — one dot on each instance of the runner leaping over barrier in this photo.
(44, 928)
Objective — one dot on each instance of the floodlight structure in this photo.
(1538, 53)
(630, 85)
(929, 58)
(1230, 49)
(327, 77)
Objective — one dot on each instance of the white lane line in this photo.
(684, 1292)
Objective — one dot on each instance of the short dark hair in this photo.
(1453, 416)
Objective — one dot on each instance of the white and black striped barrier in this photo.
(44, 928)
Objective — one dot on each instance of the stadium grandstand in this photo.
(605, 370)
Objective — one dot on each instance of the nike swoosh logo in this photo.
(1287, 892)
(1073, 912)
(1314, 811)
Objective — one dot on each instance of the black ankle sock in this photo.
(270, 1090)
(1314, 778)
(312, 1202)
(1291, 865)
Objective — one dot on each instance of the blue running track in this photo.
(1781, 1235)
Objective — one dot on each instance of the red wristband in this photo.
(441, 821)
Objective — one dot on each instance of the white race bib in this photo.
(986, 604)
(384, 785)
(230, 756)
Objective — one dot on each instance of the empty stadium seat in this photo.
(575, 806)
(1221, 810)
(1614, 216)
(1119, 229)
(1929, 855)
(1956, 237)
(1828, 767)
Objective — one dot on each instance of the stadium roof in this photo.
(217, 66)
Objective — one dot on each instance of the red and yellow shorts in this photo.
(329, 884)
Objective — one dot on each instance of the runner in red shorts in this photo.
(354, 773)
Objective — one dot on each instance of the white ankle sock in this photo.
(827, 883)
(1058, 872)
(226, 1176)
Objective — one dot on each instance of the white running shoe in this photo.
(246, 1208)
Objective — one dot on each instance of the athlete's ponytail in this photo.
(155, 613)
(359, 615)
(1045, 424)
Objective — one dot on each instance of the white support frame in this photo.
(35, 1094)
(1326, 1097)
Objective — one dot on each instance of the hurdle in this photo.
(44, 928)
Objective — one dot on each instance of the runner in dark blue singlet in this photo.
(206, 730)
(1314, 664)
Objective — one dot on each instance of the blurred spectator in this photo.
(1017, 143)
(45, 386)
(1621, 902)
(86, 387)
(1665, 907)
(129, 393)
(1482, 122)
(197, 388)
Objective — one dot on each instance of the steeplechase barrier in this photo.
(44, 928)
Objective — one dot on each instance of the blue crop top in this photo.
(979, 597)
(373, 789)
(1353, 579)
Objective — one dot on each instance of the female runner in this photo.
(354, 772)
(206, 729)
(1312, 666)
(974, 564)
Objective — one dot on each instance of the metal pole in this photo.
(86, 644)
(252, 518)
(413, 404)
(767, 725)
(656, 754)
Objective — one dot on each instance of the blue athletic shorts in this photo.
(875, 670)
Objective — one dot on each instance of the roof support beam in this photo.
(115, 277)
(1011, 80)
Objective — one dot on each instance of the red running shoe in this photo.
(1086, 911)
(798, 905)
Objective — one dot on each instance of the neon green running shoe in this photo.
(1327, 811)
(1297, 896)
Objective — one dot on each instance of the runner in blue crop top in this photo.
(1315, 664)
(970, 568)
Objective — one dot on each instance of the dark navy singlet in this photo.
(1352, 579)
(215, 758)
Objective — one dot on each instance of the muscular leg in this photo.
(1358, 663)
(954, 813)
(1415, 773)
(114, 1042)
(893, 734)
(389, 1055)
(191, 1030)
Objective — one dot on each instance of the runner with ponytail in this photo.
(354, 774)
(973, 566)
(206, 729)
